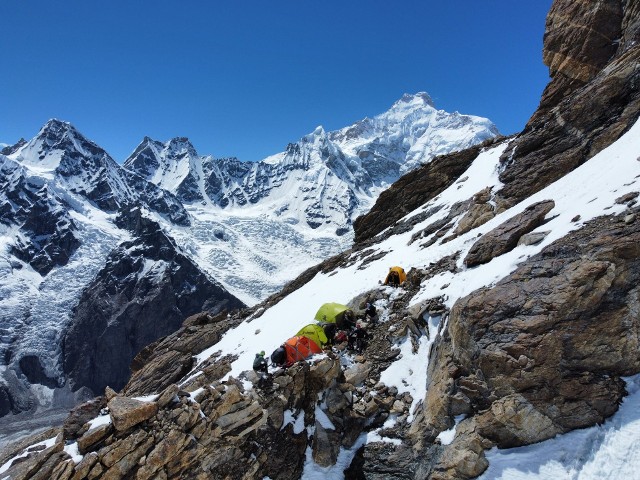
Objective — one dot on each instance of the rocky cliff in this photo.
(519, 320)
(143, 293)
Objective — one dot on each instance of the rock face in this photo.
(414, 190)
(542, 352)
(220, 431)
(592, 99)
(506, 237)
(144, 292)
(48, 233)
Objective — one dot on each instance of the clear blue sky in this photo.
(245, 77)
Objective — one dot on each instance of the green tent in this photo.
(335, 313)
(313, 332)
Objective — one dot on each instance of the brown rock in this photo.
(505, 237)
(566, 317)
(593, 98)
(85, 465)
(326, 446)
(162, 454)
(126, 412)
(357, 373)
(38, 464)
(63, 470)
(580, 39)
(16, 448)
(480, 212)
(169, 395)
(463, 458)
(93, 436)
(109, 393)
(112, 454)
(47, 469)
(80, 415)
(514, 421)
(532, 238)
(95, 472)
(123, 466)
(627, 198)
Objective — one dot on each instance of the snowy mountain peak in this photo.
(56, 140)
(178, 147)
(55, 131)
(57, 126)
(416, 100)
(317, 135)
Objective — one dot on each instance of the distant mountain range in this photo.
(99, 259)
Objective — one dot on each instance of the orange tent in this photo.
(299, 348)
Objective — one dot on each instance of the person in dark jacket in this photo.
(358, 338)
(260, 363)
(371, 314)
(330, 332)
(279, 356)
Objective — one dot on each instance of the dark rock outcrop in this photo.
(592, 49)
(542, 352)
(505, 237)
(143, 293)
(415, 189)
(49, 234)
(169, 359)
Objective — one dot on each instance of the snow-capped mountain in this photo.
(324, 179)
(95, 250)
(306, 197)
(61, 155)
(61, 199)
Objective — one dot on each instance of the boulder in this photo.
(326, 446)
(93, 436)
(506, 236)
(80, 415)
(127, 412)
(357, 373)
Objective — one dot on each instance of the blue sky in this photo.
(243, 78)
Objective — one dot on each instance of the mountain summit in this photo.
(325, 179)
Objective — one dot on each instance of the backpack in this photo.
(279, 356)
(341, 336)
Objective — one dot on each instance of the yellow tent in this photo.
(395, 276)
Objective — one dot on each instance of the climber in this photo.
(261, 367)
(393, 279)
(279, 356)
(371, 314)
(348, 320)
(260, 364)
(329, 331)
(358, 338)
